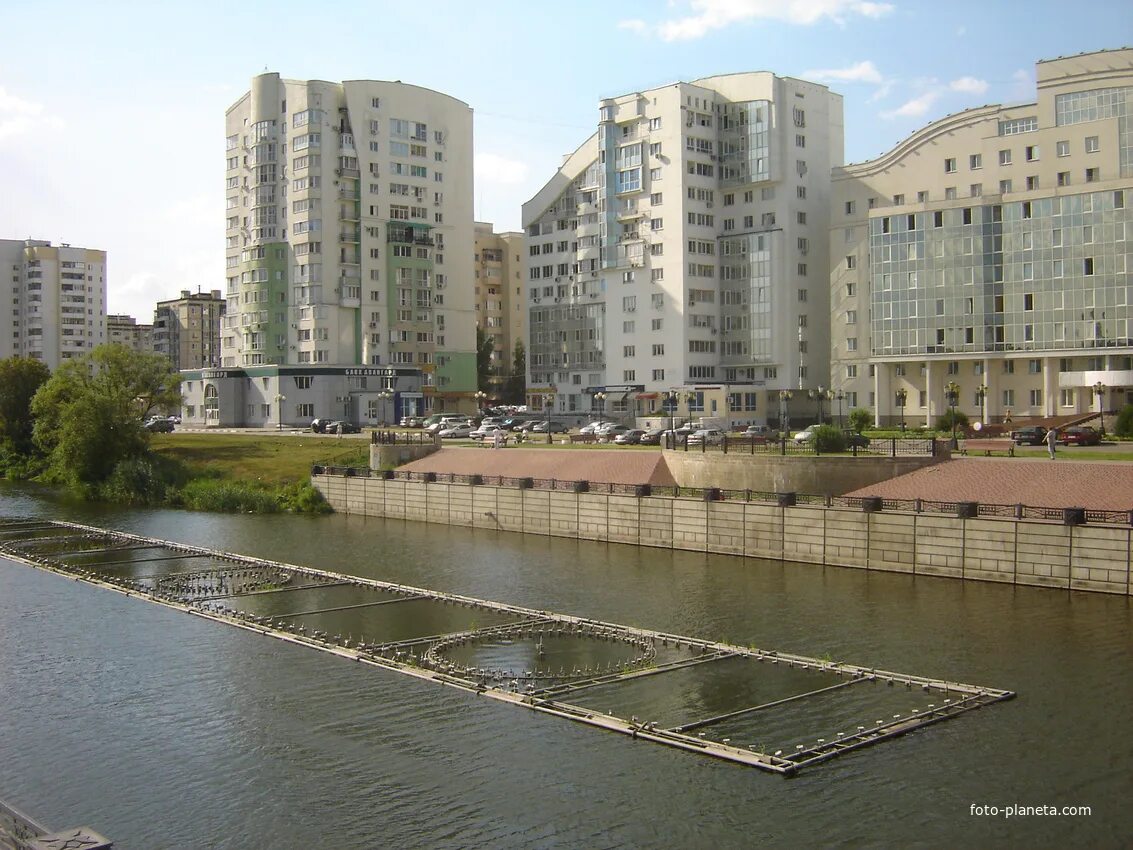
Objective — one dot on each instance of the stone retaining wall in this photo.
(1030, 552)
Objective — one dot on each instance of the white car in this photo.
(593, 427)
(710, 436)
(456, 432)
(805, 435)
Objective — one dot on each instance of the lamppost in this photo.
(670, 398)
(785, 410)
(818, 395)
(1099, 391)
(840, 396)
(600, 402)
(902, 397)
(385, 396)
(953, 390)
(481, 398)
(279, 400)
(982, 391)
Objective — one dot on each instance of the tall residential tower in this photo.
(350, 229)
(57, 308)
(680, 249)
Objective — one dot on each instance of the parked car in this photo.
(1030, 435)
(549, 426)
(805, 435)
(448, 421)
(1079, 435)
(341, 426)
(611, 430)
(630, 438)
(709, 436)
(411, 421)
(319, 426)
(854, 440)
(593, 427)
(757, 431)
(159, 425)
(456, 432)
(652, 437)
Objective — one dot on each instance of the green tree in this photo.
(828, 438)
(20, 378)
(1124, 424)
(859, 419)
(515, 390)
(951, 417)
(89, 415)
(485, 345)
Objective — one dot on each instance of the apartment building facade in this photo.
(57, 308)
(984, 261)
(349, 237)
(501, 309)
(187, 329)
(126, 331)
(679, 250)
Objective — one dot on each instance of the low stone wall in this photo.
(771, 473)
(1029, 552)
(388, 456)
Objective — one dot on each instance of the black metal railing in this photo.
(961, 509)
(404, 438)
(759, 445)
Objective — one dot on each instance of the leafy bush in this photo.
(827, 439)
(1124, 425)
(860, 419)
(303, 497)
(209, 494)
(945, 420)
(134, 481)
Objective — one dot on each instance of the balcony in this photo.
(350, 236)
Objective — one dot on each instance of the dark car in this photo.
(1031, 435)
(342, 427)
(550, 427)
(319, 426)
(652, 437)
(159, 425)
(1082, 435)
(854, 440)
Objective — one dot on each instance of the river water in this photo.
(162, 730)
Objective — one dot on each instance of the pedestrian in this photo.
(1051, 441)
(497, 437)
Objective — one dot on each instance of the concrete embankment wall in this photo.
(772, 473)
(1028, 552)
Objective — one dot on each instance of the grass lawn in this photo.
(273, 460)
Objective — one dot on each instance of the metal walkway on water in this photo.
(509, 653)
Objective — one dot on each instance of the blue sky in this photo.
(111, 113)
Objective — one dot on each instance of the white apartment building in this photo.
(349, 238)
(126, 331)
(985, 259)
(501, 309)
(57, 308)
(681, 249)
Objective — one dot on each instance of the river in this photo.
(163, 730)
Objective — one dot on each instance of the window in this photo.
(1088, 266)
(1091, 144)
(1004, 187)
(1032, 183)
(950, 165)
(1062, 148)
(1093, 175)
(849, 207)
(975, 161)
(1005, 157)
(1031, 152)
(1009, 398)
(1063, 178)
(629, 303)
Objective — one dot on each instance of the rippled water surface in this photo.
(162, 730)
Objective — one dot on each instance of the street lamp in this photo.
(385, 396)
(670, 398)
(600, 403)
(1099, 391)
(840, 396)
(279, 400)
(818, 395)
(982, 391)
(481, 398)
(902, 397)
(953, 390)
(784, 409)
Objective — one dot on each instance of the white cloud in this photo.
(1022, 85)
(494, 169)
(709, 15)
(19, 116)
(862, 72)
(968, 85)
(633, 25)
(914, 108)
